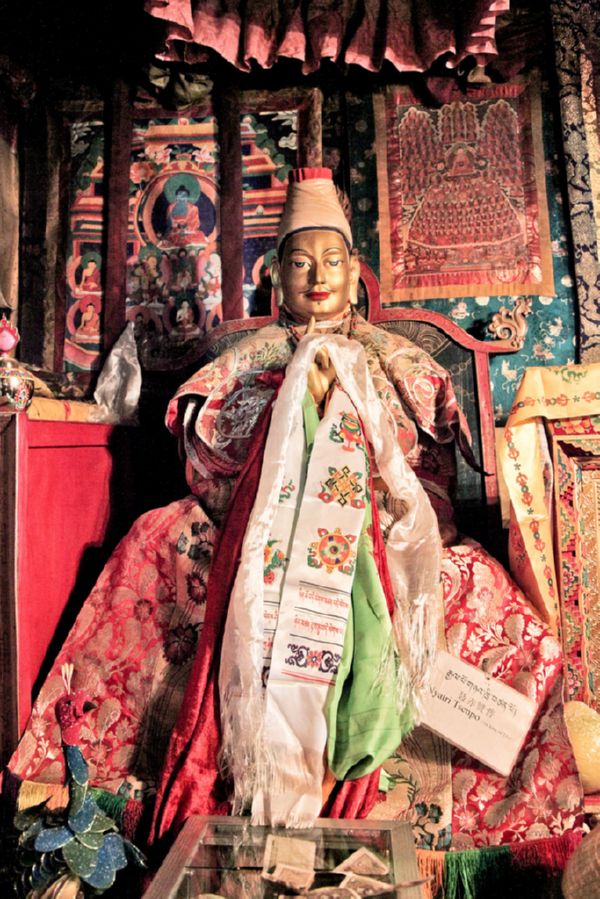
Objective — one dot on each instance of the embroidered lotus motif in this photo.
(180, 643)
(196, 588)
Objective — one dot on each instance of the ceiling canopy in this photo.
(409, 34)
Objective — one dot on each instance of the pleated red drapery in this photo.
(410, 34)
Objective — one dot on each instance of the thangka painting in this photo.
(173, 284)
(278, 130)
(174, 253)
(462, 198)
(84, 298)
(173, 289)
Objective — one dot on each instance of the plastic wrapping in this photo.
(119, 385)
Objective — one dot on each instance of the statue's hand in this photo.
(321, 373)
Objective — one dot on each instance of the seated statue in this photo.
(262, 644)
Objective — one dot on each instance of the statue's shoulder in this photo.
(383, 343)
(273, 334)
(264, 349)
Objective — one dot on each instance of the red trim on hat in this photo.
(297, 175)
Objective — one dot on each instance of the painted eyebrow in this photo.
(307, 253)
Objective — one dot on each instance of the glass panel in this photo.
(229, 858)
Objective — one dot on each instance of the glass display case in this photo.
(227, 856)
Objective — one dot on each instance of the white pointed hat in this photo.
(312, 203)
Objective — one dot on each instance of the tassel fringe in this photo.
(529, 868)
(473, 873)
(431, 868)
(126, 813)
(255, 764)
(32, 793)
(552, 853)
(132, 819)
(111, 805)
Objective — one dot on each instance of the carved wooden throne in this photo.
(466, 358)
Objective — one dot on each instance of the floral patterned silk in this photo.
(135, 637)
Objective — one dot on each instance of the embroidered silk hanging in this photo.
(544, 393)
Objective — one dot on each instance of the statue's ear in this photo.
(354, 277)
(276, 281)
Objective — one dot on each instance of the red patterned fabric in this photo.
(131, 647)
(190, 783)
(135, 640)
(489, 624)
(410, 34)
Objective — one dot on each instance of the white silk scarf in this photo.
(273, 741)
(311, 599)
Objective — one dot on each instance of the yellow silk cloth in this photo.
(554, 392)
(45, 409)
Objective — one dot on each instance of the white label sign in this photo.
(477, 713)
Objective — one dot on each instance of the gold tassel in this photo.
(431, 868)
(32, 793)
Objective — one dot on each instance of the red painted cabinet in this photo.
(68, 492)
(55, 506)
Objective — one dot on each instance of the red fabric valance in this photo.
(410, 34)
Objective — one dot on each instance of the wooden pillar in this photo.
(227, 110)
(117, 161)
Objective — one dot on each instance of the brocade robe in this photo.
(134, 640)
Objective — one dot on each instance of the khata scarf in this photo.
(274, 747)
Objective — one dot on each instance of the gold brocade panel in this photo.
(575, 446)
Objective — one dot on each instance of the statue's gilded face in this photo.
(315, 274)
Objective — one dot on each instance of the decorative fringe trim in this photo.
(477, 872)
(431, 865)
(387, 665)
(528, 868)
(127, 813)
(257, 766)
(132, 818)
(32, 793)
(111, 804)
(552, 853)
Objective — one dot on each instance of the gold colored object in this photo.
(68, 886)
(16, 383)
(509, 326)
(583, 725)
